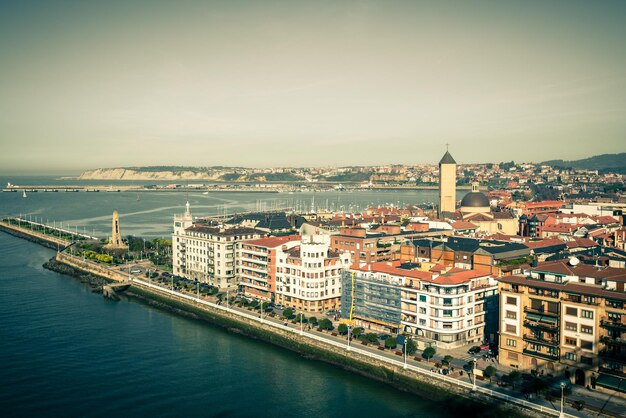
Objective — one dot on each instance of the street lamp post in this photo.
(227, 302)
(349, 329)
(561, 415)
(405, 344)
(301, 327)
(474, 374)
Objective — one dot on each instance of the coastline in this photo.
(451, 396)
(480, 401)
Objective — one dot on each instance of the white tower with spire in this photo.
(183, 222)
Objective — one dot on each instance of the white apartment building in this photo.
(207, 253)
(308, 276)
(453, 309)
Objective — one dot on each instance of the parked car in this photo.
(383, 336)
(474, 350)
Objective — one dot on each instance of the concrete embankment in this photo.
(454, 398)
(37, 237)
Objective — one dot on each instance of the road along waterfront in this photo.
(414, 378)
(72, 353)
(409, 377)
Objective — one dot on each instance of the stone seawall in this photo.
(454, 397)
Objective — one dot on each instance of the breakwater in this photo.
(46, 240)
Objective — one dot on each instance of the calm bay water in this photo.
(68, 352)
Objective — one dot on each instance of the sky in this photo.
(89, 84)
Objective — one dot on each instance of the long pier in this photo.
(50, 233)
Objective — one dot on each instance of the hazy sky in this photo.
(87, 84)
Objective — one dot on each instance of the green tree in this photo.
(287, 313)
(411, 348)
(469, 366)
(342, 329)
(390, 343)
(313, 320)
(429, 352)
(447, 360)
(489, 372)
(356, 332)
(515, 378)
(538, 386)
(370, 337)
(325, 324)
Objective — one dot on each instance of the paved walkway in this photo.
(599, 401)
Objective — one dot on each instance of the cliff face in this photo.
(131, 174)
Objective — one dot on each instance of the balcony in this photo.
(613, 355)
(513, 290)
(546, 356)
(541, 325)
(541, 311)
(606, 323)
(540, 340)
(578, 299)
(613, 341)
(614, 304)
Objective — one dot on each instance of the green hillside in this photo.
(604, 162)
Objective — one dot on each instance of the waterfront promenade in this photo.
(409, 368)
(419, 370)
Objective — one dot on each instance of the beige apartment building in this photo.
(566, 318)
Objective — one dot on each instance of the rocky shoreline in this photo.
(94, 281)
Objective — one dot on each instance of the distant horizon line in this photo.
(78, 171)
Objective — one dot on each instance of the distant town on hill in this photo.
(598, 169)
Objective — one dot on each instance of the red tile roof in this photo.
(582, 270)
(580, 288)
(548, 242)
(463, 225)
(458, 276)
(581, 242)
(384, 267)
(273, 242)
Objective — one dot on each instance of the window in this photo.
(447, 313)
(511, 329)
(511, 343)
(571, 326)
(422, 298)
(512, 356)
(570, 341)
(571, 311)
(586, 360)
(587, 345)
(511, 314)
(586, 314)
(570, 356)
(586, 329)
(511, 300)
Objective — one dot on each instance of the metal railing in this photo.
(352, 348)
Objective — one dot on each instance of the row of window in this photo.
(572, 326)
